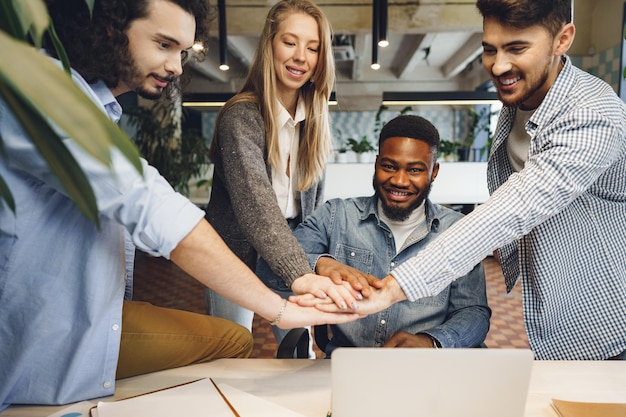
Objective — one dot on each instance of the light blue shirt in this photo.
(559, 223)
(352, 232)
(62, 281)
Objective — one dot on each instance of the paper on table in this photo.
(196, 399)
(588, 409)
(248, 405)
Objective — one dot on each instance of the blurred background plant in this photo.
(179, 154)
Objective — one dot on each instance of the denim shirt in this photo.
(351, 231)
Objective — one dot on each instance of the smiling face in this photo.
(296, 52)
(523, 63)
(157, 46)
(405, 170)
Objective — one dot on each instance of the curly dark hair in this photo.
(97, 45)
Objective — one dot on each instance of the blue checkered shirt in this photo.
(559, 224)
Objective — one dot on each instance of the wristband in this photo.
(280, 314)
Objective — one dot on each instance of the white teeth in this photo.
(293, 71)
(399, 193)
(509, 81)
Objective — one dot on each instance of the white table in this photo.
(303, 385)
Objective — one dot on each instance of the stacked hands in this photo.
(340, 288)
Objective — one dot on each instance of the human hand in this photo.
(409, 340)
(299, 316)
(339, 272)
(325, 290)
(379, 299)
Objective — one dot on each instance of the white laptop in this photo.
(412, 382)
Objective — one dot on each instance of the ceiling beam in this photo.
(412, 52)
(463, 56)
(360, 40)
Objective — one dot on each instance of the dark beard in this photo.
(518, 103)
(132, 75)
(400, 214)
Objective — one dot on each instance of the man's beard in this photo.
(132, 75)
(400, 214)
(533, 90)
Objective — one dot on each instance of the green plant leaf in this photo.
(53, 150)
(10, 22)
(62, 102)
(35, 18)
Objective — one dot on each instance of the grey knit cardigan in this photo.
(243, 208)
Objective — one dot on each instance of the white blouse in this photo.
(284, 177)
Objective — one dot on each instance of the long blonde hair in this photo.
(260, 88)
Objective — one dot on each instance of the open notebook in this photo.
(375, 382)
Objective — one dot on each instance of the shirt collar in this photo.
(284, 117)
(111, 105)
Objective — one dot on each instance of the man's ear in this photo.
(564, 39)
(435, 172)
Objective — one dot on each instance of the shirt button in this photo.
(383, 322)
(393, 264)
(107, 384)
(115, 327)
(352, 253)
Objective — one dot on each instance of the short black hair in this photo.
(411, 126)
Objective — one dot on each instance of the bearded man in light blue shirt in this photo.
(66, 332)
(371, 235)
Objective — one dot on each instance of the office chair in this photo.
(296, 344)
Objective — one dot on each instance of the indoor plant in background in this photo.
(341, 153)
(362, 148)
(179, 154)
(478, 122)
(448, 151)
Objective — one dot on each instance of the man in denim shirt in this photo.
(371, 235)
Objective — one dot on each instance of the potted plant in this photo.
(448, 151)
(29, 79)
(478, 122)
(341, 153)
(180, 155)
(361, 148)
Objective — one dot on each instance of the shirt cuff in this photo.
(411, 281)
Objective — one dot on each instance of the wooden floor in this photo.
(162, 283)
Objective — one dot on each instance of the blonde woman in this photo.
(270, 148)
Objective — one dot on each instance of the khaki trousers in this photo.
(156, 338)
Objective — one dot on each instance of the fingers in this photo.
(337, 272)
(309, 300)
(298, 316)
(343, 295)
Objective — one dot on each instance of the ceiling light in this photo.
(221, 6)
(383, 40)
